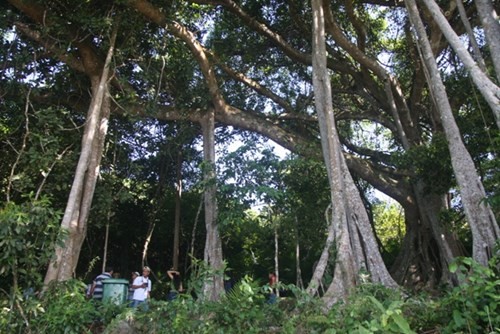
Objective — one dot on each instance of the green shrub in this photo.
(303, 313)
(244, 309)
(64, 309)
(182, 315)
(473, 306)
(421, 312)
(28, 235)
(371, 308)
(16, 311)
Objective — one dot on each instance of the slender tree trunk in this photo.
(476, 51)
(177, 222)
(195, 224)
(276, 257)
(147, 241)
(479, 215)
(109, 214)
(298, 271)
(75, 217)
(214, 286)
(488, 89)
(491, 25)
(316, 281)
(106, 240)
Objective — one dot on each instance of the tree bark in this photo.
(195, 225)
(488, 89)
(106, 242)
(147, 240)
(298, 271)
(356, 248)
(75, 217)
(417, 265)
(344, 272)
(479, 215)
(476, 51)
(367, 252)
(427, 247)
(214, 286)
(177, 221)
(490, 22)
(429, 206)
(276, 257)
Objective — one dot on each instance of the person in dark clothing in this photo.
(175, 284)
(272, 298)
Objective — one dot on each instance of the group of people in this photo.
(139, 288)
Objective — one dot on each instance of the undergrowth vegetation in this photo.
(470, 307)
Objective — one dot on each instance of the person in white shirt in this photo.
(134, 275)
(142, 288)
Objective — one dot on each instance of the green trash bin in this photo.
(115, 290)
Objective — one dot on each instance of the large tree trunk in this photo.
(429, 206)
(214, 286)
(366, 250)
(405, 121)
(418, 264)
(75, 217)
(344, 272)
(427, 247)
(350, 228)
(479, 215)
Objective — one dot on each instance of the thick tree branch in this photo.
(51, 47)
(156, 16)
(252, 84)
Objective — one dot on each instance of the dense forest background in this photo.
(330, 142)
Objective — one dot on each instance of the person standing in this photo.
(273, 297)
(97, 287)
(142, 289)
(175, 284)
(134, 275)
